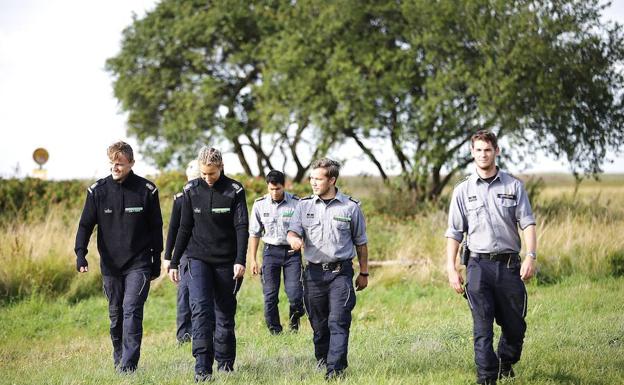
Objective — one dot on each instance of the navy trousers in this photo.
(183, 315)
(213, 307)
(495, 292)
(275, 259)
(126, 296)
(329, 299)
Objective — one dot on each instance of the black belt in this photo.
(329, 266)
(504, 257)
(287, 247)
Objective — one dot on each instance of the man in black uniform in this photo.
(183, 308)
(126, 209)
(213, 235)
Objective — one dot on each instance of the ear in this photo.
(332, 180)
(497, 151)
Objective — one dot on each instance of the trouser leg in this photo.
(294, 288)
(481, 277)
(316, 297)
(271, 271)
(201, 293)
(341, 303)
(183, 309)
(114, 291)
(511, 305)
(137, 285)
(225, 312)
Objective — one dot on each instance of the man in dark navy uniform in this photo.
(330, 226)
(184, 330)
(270, 218)
(489, 206)
(213, 235)
(126, 210)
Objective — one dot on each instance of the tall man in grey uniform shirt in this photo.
(330, 225)
(488, 207)
(270, 218)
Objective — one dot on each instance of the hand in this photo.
(166, 263)
(173, 275)
(527, 270)
(295, 243)
(239, 271)
(254, 268)
(361, 282)
(456, 281)
(82, 265)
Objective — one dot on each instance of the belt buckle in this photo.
(325, 266)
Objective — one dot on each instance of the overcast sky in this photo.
(54, 92)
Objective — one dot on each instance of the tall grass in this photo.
(579, 232)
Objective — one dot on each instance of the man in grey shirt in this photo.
(269, 220)
(330, 225)
(488, 207)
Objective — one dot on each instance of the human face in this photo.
(120, 167)
(322, 185)
(276, 191)
(210, 173)
(484, 155)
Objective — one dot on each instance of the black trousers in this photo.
(495, 292)
(126, 296)
(329, 299)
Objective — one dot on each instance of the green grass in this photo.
(403, 332)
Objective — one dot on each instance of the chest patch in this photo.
(507, 196)
(472, 198)
(342, 218)
(108, 211)
(220, 210)
(197, 210)
(265, 214)
(134, 209)
(309, 215)
(288, 214)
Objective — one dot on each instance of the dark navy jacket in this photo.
(174, 225)
(214, 223)
(129, 234)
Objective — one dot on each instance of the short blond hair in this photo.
(210, 156)
(122, 148)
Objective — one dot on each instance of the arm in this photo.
(253, 249)
(362, 279)
(88, 220)
(455, 279)
(241, 225)
(295, 230)
(172, 232)
(184, 231)
(527, 270)
(156, 224)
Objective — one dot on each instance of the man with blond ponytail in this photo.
(213, 235)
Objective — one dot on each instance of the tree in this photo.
(412, 78)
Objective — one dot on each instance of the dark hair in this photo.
(331, 167)
(486, 136)
(275, 177)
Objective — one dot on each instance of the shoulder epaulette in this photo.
(99, 182)
(308, 197)
(191, 184)
(295, 197)
(357, 202)
(151, 187)
(462, 181)
(237, 187)
(259, 199)
(178, 195)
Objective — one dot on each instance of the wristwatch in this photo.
(532, 254)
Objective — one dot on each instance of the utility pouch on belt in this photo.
(464, 253)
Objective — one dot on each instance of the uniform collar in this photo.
(287, 198)
(126, 182)
(340, 197)
(475, 178)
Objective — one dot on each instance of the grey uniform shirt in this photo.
(489, 213)
(270, 220)
(329, 231)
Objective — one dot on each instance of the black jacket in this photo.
(129, 221)
(214, 223)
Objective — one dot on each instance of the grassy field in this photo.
(409, 327)
(403, 333)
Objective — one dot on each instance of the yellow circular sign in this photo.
(41, 156)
